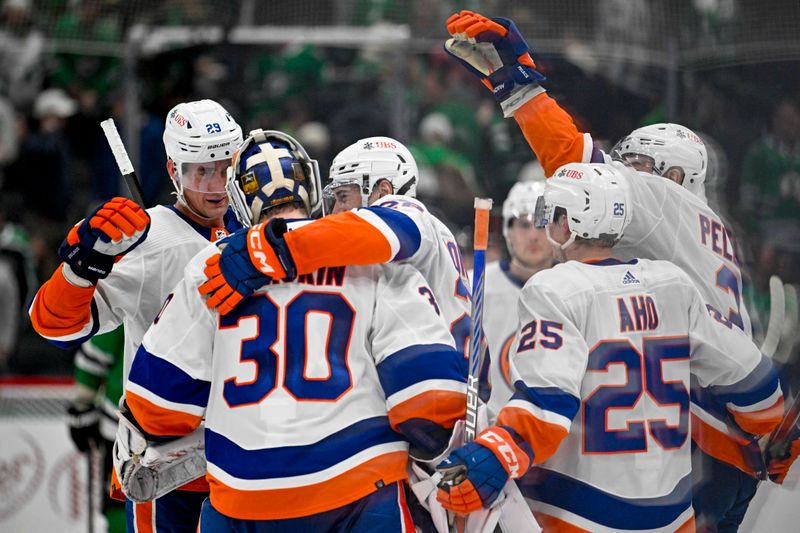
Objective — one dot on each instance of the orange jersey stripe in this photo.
(158, 420)
(550, 132)
(115, 487)
(405, 514)
(543, 437)
(556, 525)
(340, 239)
(198, 485)
(441, 407)
(276, 504)
(760, 422)
(143, 517)
(718, 445)
(61, 308)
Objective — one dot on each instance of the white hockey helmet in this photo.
(663, 146)
(196, 133)
(367, 161)
(520, 202)
(271, 169)
(595, 197)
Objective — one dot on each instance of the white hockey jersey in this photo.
(396, 229)
(602, 374)
(670, 224)
(501, 296)
(307, 387)
(132, 293)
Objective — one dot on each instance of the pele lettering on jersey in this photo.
(716, 236)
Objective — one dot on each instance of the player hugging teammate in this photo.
(306, 368)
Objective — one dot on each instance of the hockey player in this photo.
(120, 263)
(602, 376)
(529, 252)
(376, 220)
(672, 223)
(299, 434)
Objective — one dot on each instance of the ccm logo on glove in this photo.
(256, 247)
(498, 444)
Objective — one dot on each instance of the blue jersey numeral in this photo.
(727, 281)
(644, 375)
(258, 349)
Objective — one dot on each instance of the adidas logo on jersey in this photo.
(629, 278)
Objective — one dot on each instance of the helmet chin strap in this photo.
(557, 244)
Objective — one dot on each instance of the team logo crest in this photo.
(249, 183)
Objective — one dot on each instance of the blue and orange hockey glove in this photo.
(250, 259)
(474, 475)
(494, 51)
(95, 243)
(780, 456)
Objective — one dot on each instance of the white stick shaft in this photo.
(117, 148)
(777, 306)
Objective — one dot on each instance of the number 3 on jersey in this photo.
(259, 348)
(727, 281)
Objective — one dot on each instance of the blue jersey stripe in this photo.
(548, 398)
(703, 397)
(77, 342)
(418, 363)
(288, 461)
(758, 385)
(403, 227)
(602, 507)
(167, 381)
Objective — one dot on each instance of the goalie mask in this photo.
(200, 137)
(657, 148)
(595, 198)
(366, 162)
(269, 170)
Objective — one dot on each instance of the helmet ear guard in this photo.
(257, 180)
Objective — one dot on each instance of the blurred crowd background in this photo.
(332, 72)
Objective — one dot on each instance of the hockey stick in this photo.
(476, 342)
(510, 511)
(123, 161)
(788, 330)
(480, 242)
(777, 306)
(90, 492)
